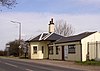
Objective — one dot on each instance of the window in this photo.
(51, 50)
(42, 49)
(71, 49)
(35, 49)
(57, 50)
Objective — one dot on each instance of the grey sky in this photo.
(35, 15)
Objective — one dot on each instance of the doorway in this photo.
(63, 53)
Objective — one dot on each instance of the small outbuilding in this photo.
(76, 48)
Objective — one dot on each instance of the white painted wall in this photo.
(92, 38)
(39, 54)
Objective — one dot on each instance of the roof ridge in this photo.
(81, 33)
(75, 37)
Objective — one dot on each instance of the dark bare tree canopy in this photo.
(63, 28)
(8, 3)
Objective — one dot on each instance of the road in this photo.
(14, 65)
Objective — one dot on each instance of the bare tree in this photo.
(8, 3)
(63, 28)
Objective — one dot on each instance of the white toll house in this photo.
(39, 45)
(79, 47)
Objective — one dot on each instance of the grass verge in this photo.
(96, 63)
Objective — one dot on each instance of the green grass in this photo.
(97, 63)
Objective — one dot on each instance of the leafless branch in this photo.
(63, 28)
(8, 3)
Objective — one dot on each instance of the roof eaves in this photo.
(66, 42)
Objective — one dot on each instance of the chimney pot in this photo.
(51, 20)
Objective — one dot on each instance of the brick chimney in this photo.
(51, 26)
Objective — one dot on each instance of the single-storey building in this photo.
(76, 48)
(38, 48)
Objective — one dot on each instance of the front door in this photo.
(65, 52)
(62, 52)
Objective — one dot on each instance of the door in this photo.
(62, 52)
(65, 52)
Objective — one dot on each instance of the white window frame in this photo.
(36, 50)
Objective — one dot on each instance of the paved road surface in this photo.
(13, 65)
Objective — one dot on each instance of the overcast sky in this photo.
(34, 15)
